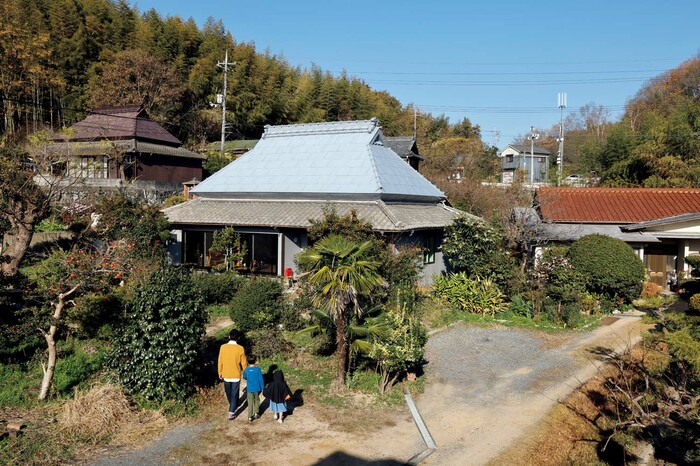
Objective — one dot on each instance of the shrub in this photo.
(479, 296)
(475, 248)
(257, 305)
(218, 288)
(95, 313)
(610, 266)
(520, 307)
(694, 302)
(556, 276)
(693, 260)
(650, 290)
(158, 353)
(267, 342)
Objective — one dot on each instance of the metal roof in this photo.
(338, 160)
(384, 216)
(525, 149)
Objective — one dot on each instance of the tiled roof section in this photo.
(403, 145)
(104, 147)
(571, 232)
(113, 123)
(338, 160)
(389, 217)
(525, 149)
(615, 205)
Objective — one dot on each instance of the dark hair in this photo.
(235, 335)
(252, 359)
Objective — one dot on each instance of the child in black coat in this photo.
(278, 393)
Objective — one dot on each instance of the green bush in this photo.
(693, 260)
(159, 352)
(257, 305)
(478, 296)
(95, 314)
(218, 288)
(694, 302)
(267, 342)
(18, 387)
(610, 267)
(477, 249)
(520, 307)
(556, 276)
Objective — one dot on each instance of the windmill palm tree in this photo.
(341, 273)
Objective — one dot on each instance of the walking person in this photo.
(232, 361)
(254, 376)
(278, 393)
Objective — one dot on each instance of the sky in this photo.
(500, 63)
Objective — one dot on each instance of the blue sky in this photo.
(499, 63)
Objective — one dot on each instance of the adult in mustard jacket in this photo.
(232, 361)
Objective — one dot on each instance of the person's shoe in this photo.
(275, 416)
(250, 418)
(231, 416)
(256, 416)
(280, 420)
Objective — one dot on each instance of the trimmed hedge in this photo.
(610, 266)
(218, 288)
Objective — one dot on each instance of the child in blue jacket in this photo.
(254, 376)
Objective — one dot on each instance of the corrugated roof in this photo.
(104, 147)
(336, 160)
(389, 217)
(112, 123)
(615, 205)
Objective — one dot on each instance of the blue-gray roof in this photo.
(336, 160)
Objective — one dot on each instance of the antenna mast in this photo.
(561, 103)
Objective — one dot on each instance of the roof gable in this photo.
(336, 160)
(615, 205)
(525, 149)
(114, 123)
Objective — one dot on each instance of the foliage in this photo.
(694, 302)
(341, 275)
(472, 295)
(693, 260)
(257, 305)
(398, 345)
(265, 343)
(157, 354)
(174, 200)
(48, 225)
(120, 217)
(403, 267)
(555, 277)
(651, 290)
(610, 266)
(18, 385)
(218, 288)
(349, 226)
(95, 314)
(77, 365)
(228, 242)
(476, 249)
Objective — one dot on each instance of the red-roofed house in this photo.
(661, 224)
(119, 145)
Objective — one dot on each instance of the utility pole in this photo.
(561, 103)
(415, 123)
(224, 65)
(532, 138)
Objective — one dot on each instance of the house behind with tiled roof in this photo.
(122, 146)
(661, 224)
(271, 193)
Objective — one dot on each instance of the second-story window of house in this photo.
(509, 158)
(540, 159)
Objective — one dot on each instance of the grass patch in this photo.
(19, 385)
(217, 311)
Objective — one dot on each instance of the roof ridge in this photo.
(390, 215)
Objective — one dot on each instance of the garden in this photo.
(100, 329)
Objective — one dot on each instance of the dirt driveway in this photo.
(487, 387)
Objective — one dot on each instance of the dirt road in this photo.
(487, 387)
